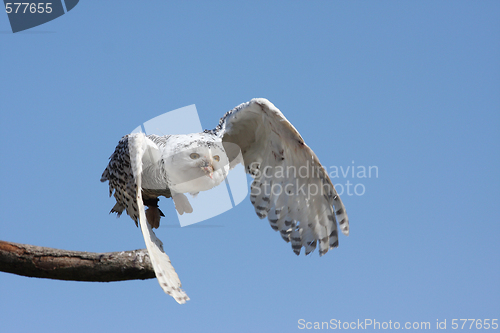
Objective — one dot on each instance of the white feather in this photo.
(268, 141)
(165, 272)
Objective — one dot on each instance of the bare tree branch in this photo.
(44, 262)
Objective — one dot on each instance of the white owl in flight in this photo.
(290, 185)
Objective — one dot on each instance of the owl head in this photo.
(198, 163)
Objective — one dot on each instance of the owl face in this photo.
(197, 167)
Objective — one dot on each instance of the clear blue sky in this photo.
(412, 88)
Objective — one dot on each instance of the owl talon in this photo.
(181, 203)
(153, 216)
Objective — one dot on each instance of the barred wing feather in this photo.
(291, 187)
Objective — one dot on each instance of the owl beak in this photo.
(209, 169)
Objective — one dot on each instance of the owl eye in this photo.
(217, 158)
(194, 156)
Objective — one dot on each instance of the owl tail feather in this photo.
(165, 272)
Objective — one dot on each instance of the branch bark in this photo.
(49, 263)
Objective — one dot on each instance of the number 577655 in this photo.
(17, 7)
(477, 323)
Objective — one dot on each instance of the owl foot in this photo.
(153, 213)
(181, 203)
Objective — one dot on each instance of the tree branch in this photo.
(44, 262)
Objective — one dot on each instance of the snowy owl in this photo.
(290, 187)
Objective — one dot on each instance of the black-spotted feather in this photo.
(268, 141)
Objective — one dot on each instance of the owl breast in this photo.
(202, 183)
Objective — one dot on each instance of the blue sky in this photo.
(409, 87)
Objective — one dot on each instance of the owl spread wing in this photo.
(290, 185)
(134, 155)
